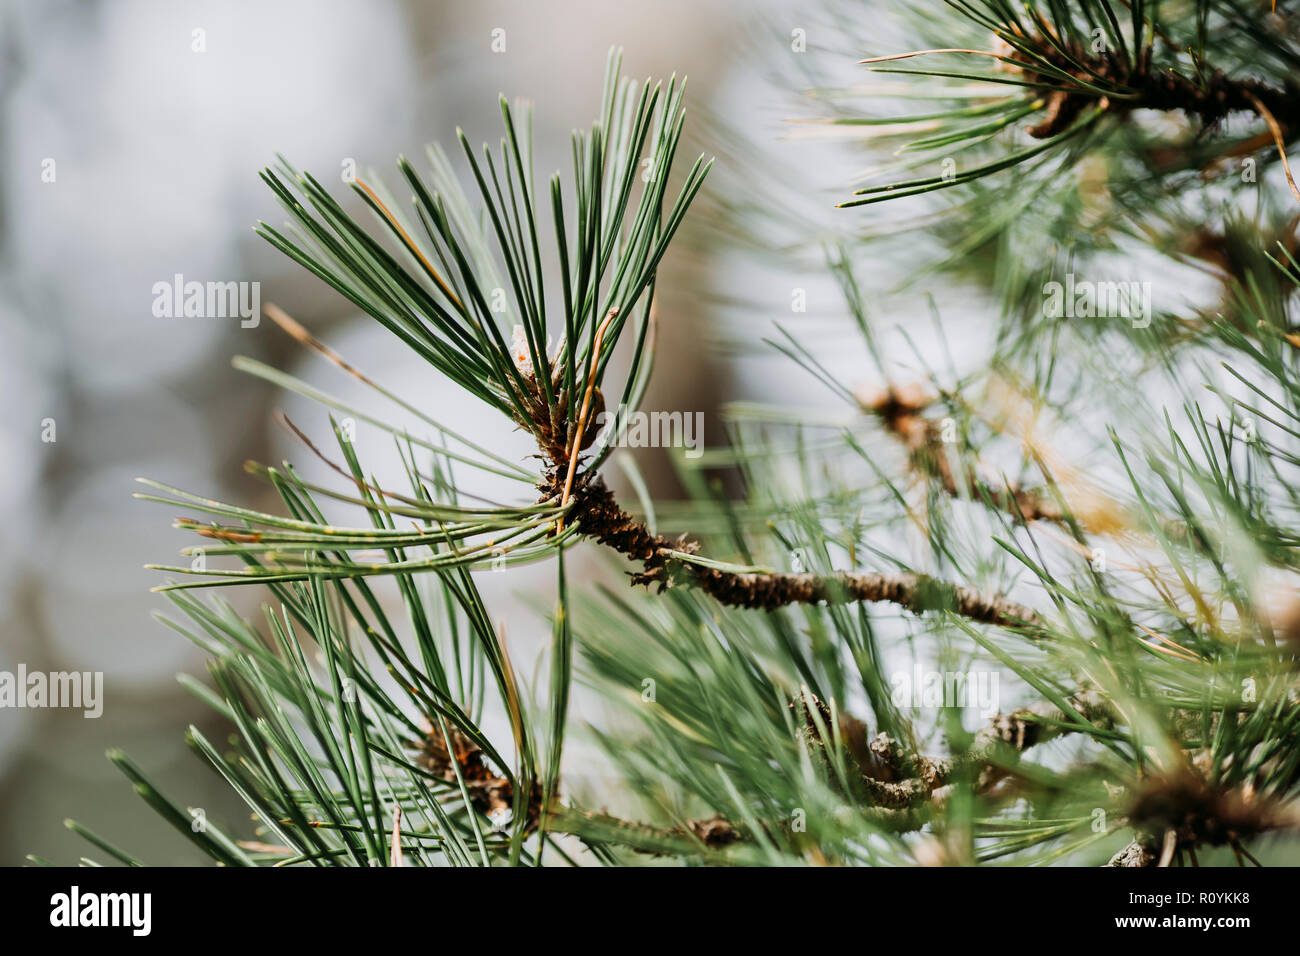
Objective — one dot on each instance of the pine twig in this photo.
(903, 786)
(597, 515)
(1279, 139)
(1179, 812)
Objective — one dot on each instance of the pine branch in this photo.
(1140, 85)
(905, 789)
(596, 514)
(1076, 76)
(1181, 812)
(339, 764)
(1133, 854)
(707, 840)
(897, 777)
(696, 837)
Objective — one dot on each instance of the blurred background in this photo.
(131, 133)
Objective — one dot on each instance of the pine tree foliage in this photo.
(1102, 514)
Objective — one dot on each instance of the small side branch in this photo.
(1134, 855)
(1181, 812)
(904, 788)
(1140, 84)
(708, 837)
(897, 777)
(597, 515)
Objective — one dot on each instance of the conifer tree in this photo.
(1039, 608)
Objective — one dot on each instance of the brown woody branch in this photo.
(903, 786)
(1182, 812)
(896, 777)
(709, 836)
(594, 510)
(1172, 814)
(898, 783)
(493, 795)
(1210, 98)
(490, 793)
(597, 515)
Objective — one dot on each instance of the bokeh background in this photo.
(154, 145)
